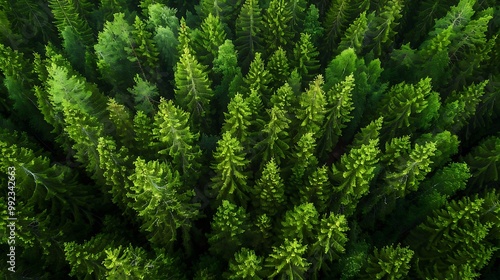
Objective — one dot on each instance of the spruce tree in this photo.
(305, 58)
(275, 139)
(388, 263)
(277, 25)
(288, 261)
(248, 29)
(230, 166)
(270, 190)
(245, 265)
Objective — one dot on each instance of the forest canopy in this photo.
(250, 139)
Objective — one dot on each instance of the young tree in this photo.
(484, 162)
(303, 163)
(382, 29)
(278, 68)
(145, 95)
(258, 79)
(143, 51)
(230, 181)
(112, 57)
(355, 35)
(238, 118)
(317, 190)
(299, 223)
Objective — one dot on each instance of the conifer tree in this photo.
(277, 25)
(330, 241)
(298, 13)
(160, 201)
(143, 51)
(284, 98)
(275, 139)
(122, 121)
(226, 65)
(353, 175)
(460, 106)
(317, 190)
(278, 67)
(230, 164)
(304, 162)
(388, 263)
(145, 95)
(238, 118)
(193, 90)
(67, 16)
(270, 190)
(112, 57)
(312, 108)
(248, 29)
(305, 58)
(484, 162)
(299, 223)
(288, 261)
(245, 265)
(312, 24)
(355, 34)
(460, 235)
(172, 130)
(258, 78)
(210, 37)
(382, 30)
(229, 228)
(338, 110)
(143, 130)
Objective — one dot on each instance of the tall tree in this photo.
(288, 260)
(382, 30)
(238, 118)
(388, 263)
(355, 34)
(312, 108)
(484, 162)
(270, 190)
(246, 265)
(275, 139)
(208, 40)
(306, 58)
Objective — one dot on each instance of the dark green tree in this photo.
(208, 40)
(484, 162)
(270, 190)
(389, 263)
(306, 58)
(275, 139)
(248, 32)
(277, 25)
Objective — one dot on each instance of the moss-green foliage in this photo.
(250, 139)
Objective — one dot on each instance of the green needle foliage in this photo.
(250, 139)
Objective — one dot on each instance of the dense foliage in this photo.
(256, 139)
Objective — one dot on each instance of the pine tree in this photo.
(304, 162)
(143, 130)
(67, 16)
(406, 104)
(143, 51)
(330, 241)
(353, 175)
(278, 68)
(389, 263)
(382, 30)
(338, 110)
(229, 227)
(248, 29)
(305, 58)
(145, 95)
(312, 24)
(230, 164)
(284, 98)
(226, 65)
(275, 139)
(210, 37)
(258, 78)
(355, 35)
(312, 108)
(459, 107)
(110, 50)
(317, 190)
(238, 118)
(192, 88)
(462, 234)
(277, 25)
(245, 265)
(122, 121)
(288, 261)
(298, 14)
(172, 130)
(160, 201)
(299, 223)
(270, 190)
